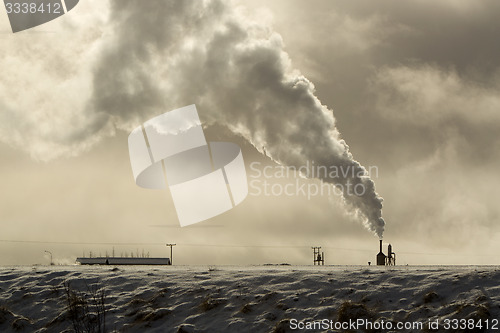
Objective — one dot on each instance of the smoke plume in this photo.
(162, 55)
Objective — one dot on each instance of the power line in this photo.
(182, 244)
(73, 243)
(230, 246)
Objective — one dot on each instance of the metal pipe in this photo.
(380, 246)
(51, 262)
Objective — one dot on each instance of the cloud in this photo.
(450, 189)
(413, 85)
(430, 96)
(148, 58)
(46, 84)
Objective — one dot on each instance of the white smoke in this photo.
(162, 55)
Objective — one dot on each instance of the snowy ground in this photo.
(247, 299)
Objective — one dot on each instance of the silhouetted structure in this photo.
(381, 256)
(171, 258)
(122, 261)
(318, 258)
(391, 257)
(389, 260)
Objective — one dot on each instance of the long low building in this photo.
(123, 261)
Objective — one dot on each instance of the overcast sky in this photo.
(411, 87)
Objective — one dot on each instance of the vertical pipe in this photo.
(380, 246)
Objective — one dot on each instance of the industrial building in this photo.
(123, 261)
(137, 260)
(386, 260)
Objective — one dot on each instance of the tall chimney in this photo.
(380, 246)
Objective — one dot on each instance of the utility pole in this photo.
(171, 259)
(51, 262)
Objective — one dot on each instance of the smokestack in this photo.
(381, 258)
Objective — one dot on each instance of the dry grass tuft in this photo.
(210, 303)
(431, 297)
(353, 311)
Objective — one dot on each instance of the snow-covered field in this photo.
(247, 298)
